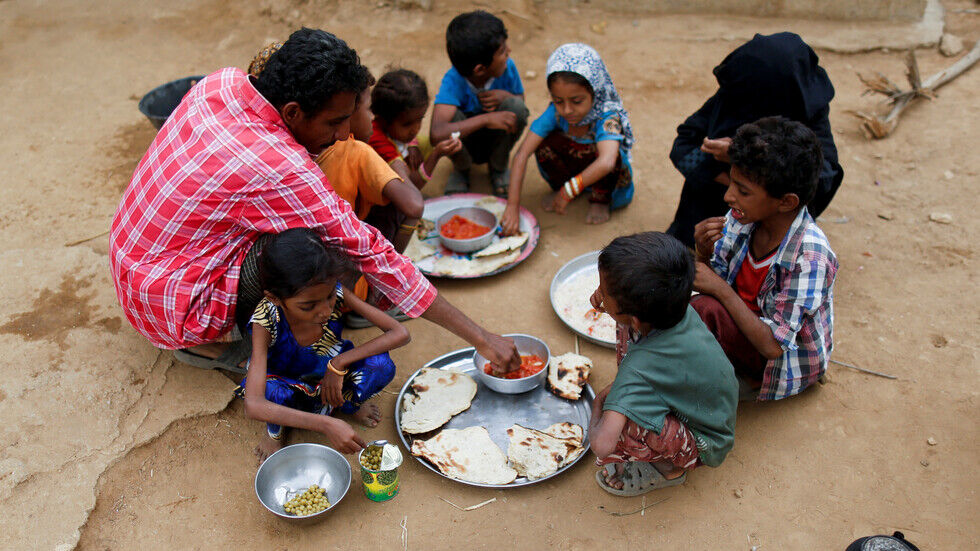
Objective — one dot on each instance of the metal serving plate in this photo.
(436, 207)
(588, 262)
(536, 409)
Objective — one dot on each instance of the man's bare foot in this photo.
(613, 480)
(369, 415)
(548, 201)
(668, 470)
(598, 213)
(266, 447)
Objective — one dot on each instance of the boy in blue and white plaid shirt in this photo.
(766, 271)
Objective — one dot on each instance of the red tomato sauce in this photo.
(460, 228)
(529, 366)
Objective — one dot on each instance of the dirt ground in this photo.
(107, 443)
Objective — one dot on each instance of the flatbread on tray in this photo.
(536, 454)
(417, 249)
(462, 266)
(567, 375)
(466, 454)
(492, 204)
(438, 395)
(503, 245)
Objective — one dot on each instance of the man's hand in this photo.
(706, 281)
(717, 148)
(706, 233)
(491, 99)
(510, 220)
(331, 389)
(501, 352)
(502, 120)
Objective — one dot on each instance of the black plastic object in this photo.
(160, 102)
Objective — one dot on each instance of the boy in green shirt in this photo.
(672, 405)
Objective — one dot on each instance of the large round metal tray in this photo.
(436, 207)
(588, 262)
(536, 409)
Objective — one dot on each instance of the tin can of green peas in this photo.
(379, 470)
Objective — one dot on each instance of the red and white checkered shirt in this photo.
(222, 171)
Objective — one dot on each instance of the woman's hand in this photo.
(342, 436)
(706, 233)
(717, 148)
(414, 158)
(447, 147)
(510, 220)
(331, 389)
(560, 202)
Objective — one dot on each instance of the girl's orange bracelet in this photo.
(335, 370)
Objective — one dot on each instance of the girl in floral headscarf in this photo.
(581, 142)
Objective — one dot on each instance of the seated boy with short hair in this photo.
(672, 404)
(481, 97)
(766, 271)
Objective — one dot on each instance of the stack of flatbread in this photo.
(567, 375)
(537, 454)
(466, 454)
(438, 395)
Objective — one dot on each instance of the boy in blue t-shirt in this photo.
(481, 97)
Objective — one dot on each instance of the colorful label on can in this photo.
(381, 485)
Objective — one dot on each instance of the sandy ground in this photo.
(107, 443)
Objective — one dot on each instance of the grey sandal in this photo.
(235, 354)
(639, 477)
(458, 182)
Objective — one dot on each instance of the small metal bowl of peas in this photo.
(301, 482)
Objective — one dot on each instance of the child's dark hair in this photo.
(398, 91)
(783, 156)
(472, 38)
(650, 275)
(571, 78)
(310, 68)
(298, 258)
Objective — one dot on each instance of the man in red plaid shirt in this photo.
(234, 162)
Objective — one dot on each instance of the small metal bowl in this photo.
(477, 215)
(295, 468)
(526, 344)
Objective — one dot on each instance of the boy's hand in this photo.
(510, 220)
(491, 99)
(331, 389)
(706, 233)
(717, 148)
(706, 281)
(502, 120)
(414, 158)
(448, 147)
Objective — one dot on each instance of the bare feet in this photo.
(266, 447)
(598, 214)
(548, 201)
(613, 480)
(668, 470)
(369, 415)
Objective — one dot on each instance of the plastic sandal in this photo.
(501, 183)
(229, 360)
(638, 478)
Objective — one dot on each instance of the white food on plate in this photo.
(466, 454)
(462, 266)
(491, 204)
(417, 249)
(572, 299)
(505, 244)
(438, 395)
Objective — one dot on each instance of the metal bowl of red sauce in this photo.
(466, 229)
(535, 356)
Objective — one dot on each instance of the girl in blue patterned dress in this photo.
(581, 142)
(301, 370)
